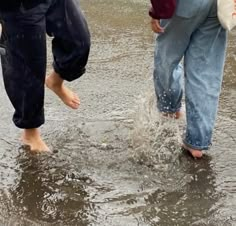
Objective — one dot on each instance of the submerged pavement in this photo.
(116, 162)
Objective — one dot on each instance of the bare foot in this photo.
(32, 138)
(197, 154)
(176, 115)
(69, 98)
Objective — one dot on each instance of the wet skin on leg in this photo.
(197, 154)
(32, 138)
(176, 115)
(55, 83)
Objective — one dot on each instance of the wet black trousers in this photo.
(24, 65)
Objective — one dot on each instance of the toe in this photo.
(74, 105)
(76, 99)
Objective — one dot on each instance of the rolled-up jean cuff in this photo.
(69, 75)
(169, 111)
(200, 148)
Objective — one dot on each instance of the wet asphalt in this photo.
(115, 161)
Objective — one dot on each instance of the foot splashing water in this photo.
(156, 139)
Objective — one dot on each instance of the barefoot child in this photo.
(25, 24)
(189, 30)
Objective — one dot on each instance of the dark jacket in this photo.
(162, 9)
(11, 5)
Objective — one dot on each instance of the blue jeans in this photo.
(195, 35)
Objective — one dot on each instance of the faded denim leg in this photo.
(195, 34)
(168, 72)
(204, 64)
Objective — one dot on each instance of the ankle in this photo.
(196, 153)
(176, 115)
(179, 114)
(54, 80)
(31, 133)
(31, 138)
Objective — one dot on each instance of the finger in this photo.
(159, 28)
(156, 27)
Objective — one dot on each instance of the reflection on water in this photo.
(116, 161)
(189, 204)
(46, 194)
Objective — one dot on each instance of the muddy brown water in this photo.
(116, 162)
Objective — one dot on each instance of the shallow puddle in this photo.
(116, 161)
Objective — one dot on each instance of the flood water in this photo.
(116, 162)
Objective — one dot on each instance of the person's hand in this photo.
(156, 27)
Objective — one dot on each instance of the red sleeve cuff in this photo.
(153, 14)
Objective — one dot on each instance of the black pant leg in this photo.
(24, 65)
(71, 42)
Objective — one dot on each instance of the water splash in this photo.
(155, 139)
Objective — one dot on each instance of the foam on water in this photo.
(156, 139)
